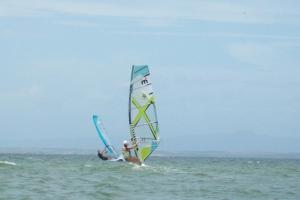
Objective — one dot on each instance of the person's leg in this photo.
(133, 160)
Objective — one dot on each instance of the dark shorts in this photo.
(101, 156)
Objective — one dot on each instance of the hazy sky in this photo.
(226, 74)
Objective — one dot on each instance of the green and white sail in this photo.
(143, 121)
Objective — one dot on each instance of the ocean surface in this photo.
(43, 176)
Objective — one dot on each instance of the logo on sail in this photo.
(144, 81)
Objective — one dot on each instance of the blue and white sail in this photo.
(104, 138)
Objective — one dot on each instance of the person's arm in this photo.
(133, 146)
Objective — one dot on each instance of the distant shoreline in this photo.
(216, 154)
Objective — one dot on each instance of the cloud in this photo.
(32, 91)
(252, 53)
(20, 99)
(158, 12)
(77, 23)
(266, 55)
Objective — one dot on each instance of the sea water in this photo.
(43, 176)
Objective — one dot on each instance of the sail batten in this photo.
(146, 124)
(142, 86)
(142, 113)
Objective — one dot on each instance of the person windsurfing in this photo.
(126, 150)
(103, 155)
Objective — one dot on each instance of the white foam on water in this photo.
(144, 165)
(7, 163)
(88, 165)
(157, 169)
(136, 166)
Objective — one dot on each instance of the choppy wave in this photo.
(79, 177)
(7, 163)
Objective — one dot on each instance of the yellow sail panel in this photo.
(145, 152)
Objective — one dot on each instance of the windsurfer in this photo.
(126, 150)
(103, 155)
